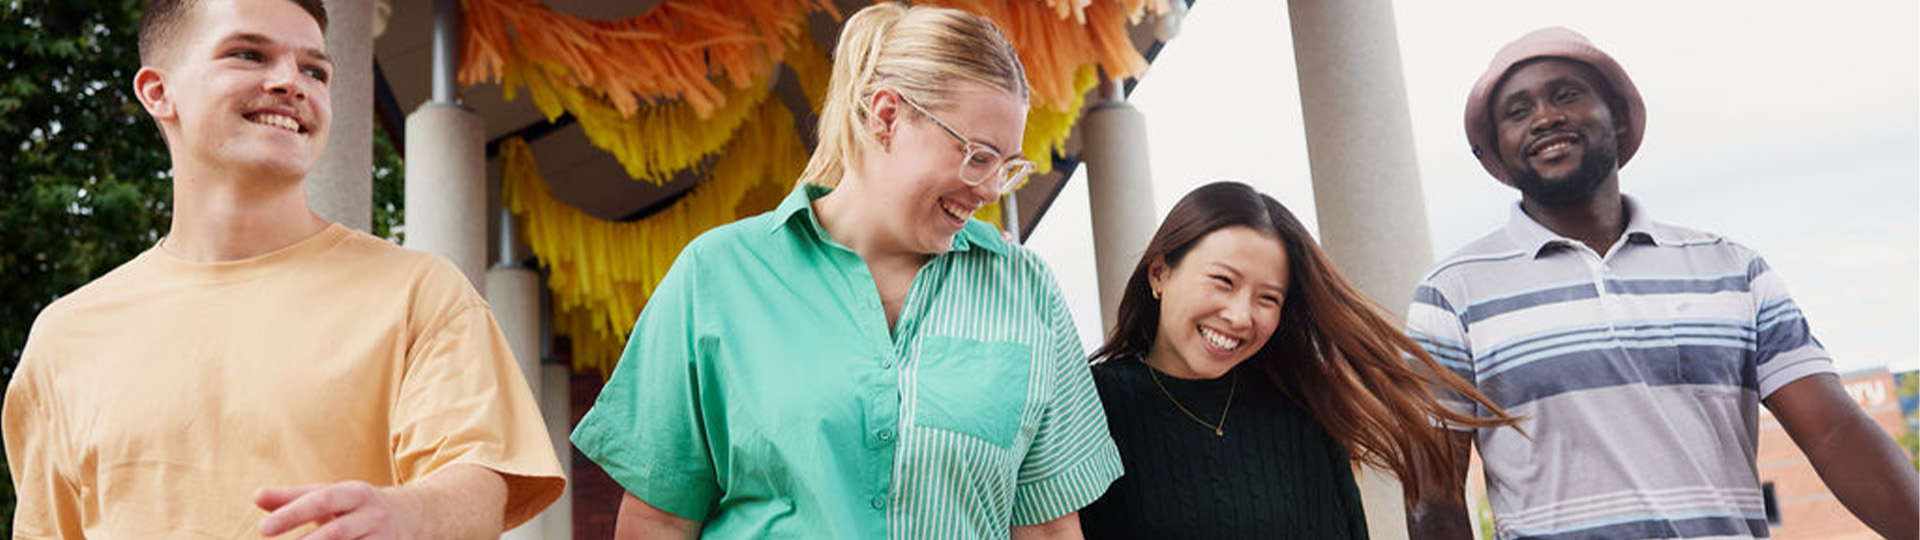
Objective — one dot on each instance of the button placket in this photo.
(1597, 271)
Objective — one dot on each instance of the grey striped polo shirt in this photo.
(1639, 372)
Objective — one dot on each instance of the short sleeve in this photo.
(645, 429)
(1073, 459)
(463, 400)
(1433, 323)
(48, 500)
(1785, 349)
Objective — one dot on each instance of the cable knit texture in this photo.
(1275, 475)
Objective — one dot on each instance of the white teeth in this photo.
(276, 120)
(1219, 340)
(956, 211)
(1553, 147)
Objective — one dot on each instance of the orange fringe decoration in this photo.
(602, 272)
(674, 51)
(1062, 42)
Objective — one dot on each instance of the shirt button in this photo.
(883, 434)
(879, 502)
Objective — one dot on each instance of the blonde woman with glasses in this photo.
(866, 361)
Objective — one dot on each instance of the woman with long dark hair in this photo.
(1244, 373)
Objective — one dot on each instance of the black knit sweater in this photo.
(1275, 475)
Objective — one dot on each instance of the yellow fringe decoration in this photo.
(675, 51)
(689, 81)
(602, 272)
(600, 70)
(655, 142)
(1049, 128)
(658, 141)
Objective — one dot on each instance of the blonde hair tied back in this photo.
(916, 50)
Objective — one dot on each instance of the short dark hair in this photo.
(162, 19)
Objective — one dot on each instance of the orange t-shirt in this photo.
(153, 402)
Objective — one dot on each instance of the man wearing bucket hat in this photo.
(1637, 351)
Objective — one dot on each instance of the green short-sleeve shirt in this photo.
(762, 393)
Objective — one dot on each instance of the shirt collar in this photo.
(800, 203)
(1534, 237)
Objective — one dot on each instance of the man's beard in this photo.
(1596, 163)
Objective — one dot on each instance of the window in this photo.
(1772, 504)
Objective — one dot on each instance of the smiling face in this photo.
(917, 169)
(1558, 136)
(1219, 304)
(244, 90)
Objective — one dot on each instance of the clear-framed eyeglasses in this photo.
(981, 164)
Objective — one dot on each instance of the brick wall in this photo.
(1806, 510)
(596, 498)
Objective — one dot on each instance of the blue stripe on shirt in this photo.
(1583, 290)
(1426, 294)
(1687, 285)
(1526, 348)
(1494, 307)
(1651, 364)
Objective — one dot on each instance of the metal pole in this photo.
(446, 51)
(1010, 216)
(507, 256)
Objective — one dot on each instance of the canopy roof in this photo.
(619, 137)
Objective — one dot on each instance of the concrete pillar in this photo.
(446, 186)
(556, 405)
(340, 187)
(1119, 190)
(1366, 184)
(514, 293)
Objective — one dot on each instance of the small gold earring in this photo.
(1156, 294)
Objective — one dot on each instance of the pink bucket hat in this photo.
(1554, 42)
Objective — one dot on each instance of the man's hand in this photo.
(344, 510)
(458, 502)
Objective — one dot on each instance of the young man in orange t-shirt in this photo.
(262, 371)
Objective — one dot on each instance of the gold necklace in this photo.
(1219, 430)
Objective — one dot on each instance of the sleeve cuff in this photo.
(1068, 491)
(678, 494)
(1794, 369)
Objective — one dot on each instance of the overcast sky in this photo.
(1792, 127)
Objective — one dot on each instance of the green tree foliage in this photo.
(1907, 385)
(84, 180)
(82, 168)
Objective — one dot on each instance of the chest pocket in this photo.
(976, 388)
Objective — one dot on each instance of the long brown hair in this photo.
(1334, 353)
